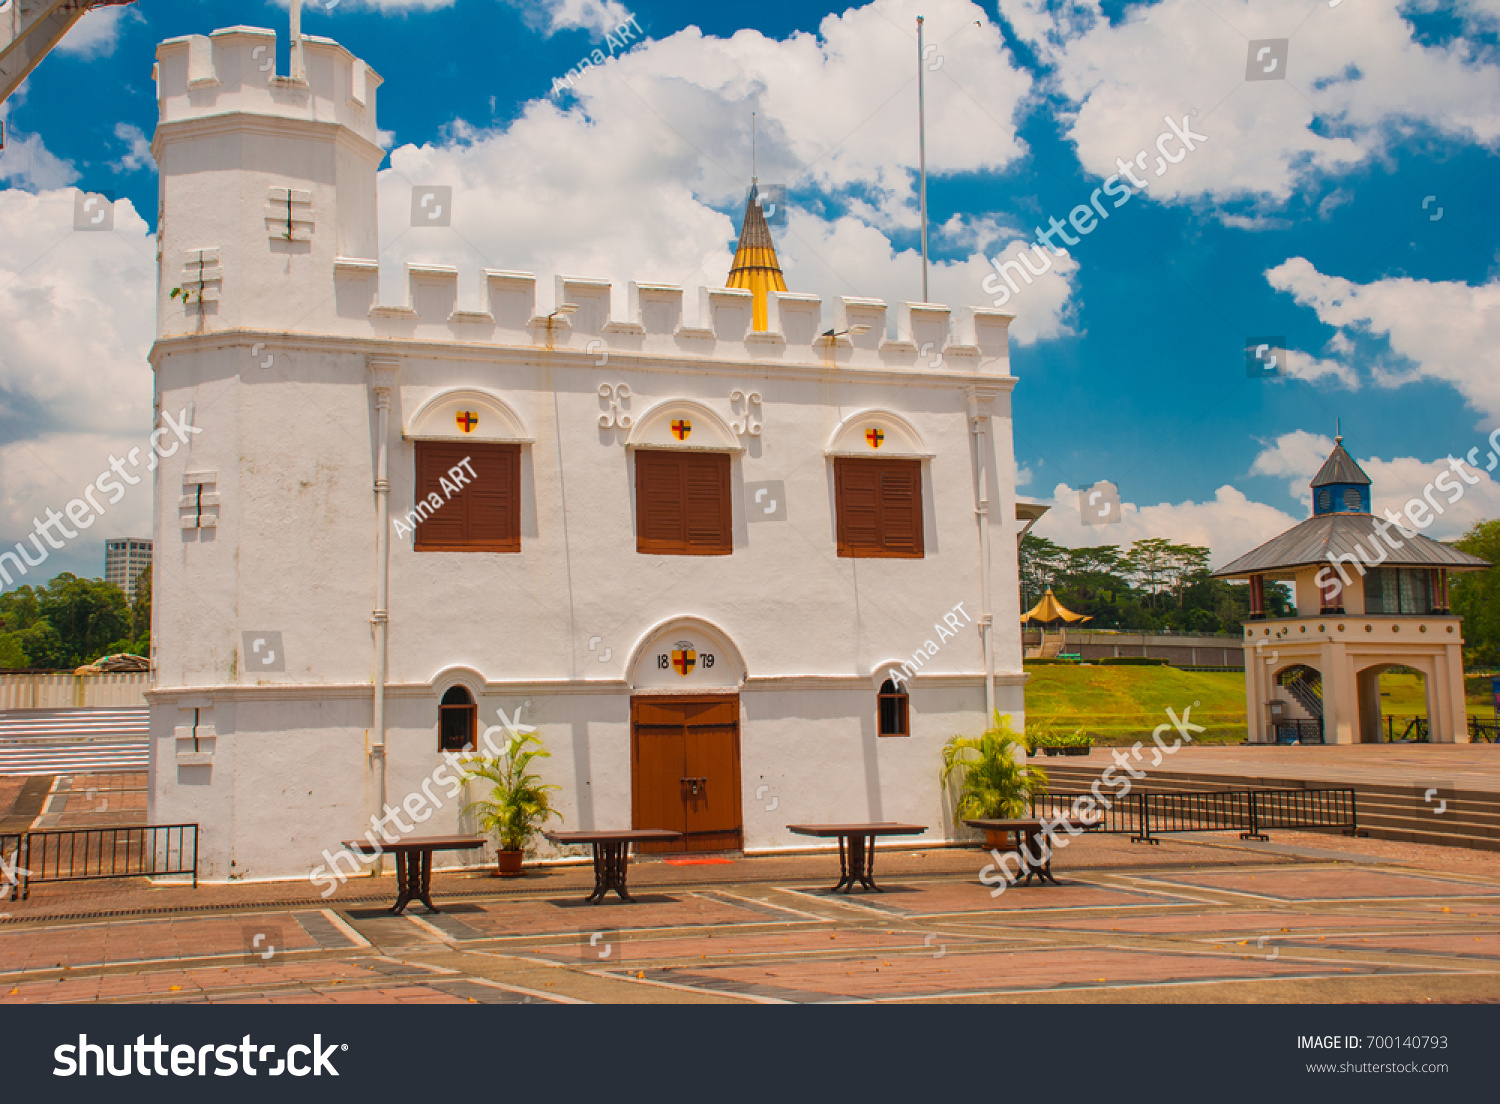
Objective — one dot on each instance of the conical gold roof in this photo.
(755, 266)
(1049, 609)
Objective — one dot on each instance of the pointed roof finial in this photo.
(1338, 432)
(755, 266)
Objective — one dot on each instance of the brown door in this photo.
(685, 770)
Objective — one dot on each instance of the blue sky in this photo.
(1308, 212)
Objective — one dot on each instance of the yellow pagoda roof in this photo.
(755, 266)
(1050, 609)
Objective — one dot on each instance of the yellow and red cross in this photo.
(683, 660)
(875, 435)
(467, 420)
(681, 427)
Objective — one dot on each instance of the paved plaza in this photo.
(1306, 917)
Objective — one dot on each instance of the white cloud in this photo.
(77, 309)
(1444, 330)
(138, 156)
(598, 16)
(27, 163)
(95, 35)
(1297, 456)
(1302, 366)
(78, 312)
(1230, 523)
(1355, 76)
(1044, 307)
(47, 472)
(620, 179)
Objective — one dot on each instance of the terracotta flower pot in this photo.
(509, 863)
(998, 839)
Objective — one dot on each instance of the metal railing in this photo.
(1484, 730)
(1146, 815)
(1298, 731)
(1415, 729)
(87, 854)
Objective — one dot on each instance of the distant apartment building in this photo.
(124, 560)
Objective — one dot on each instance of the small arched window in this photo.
(456, 718)
(895, 711)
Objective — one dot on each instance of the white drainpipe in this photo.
(383, 381)
(979, 419)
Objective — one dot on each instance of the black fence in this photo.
(1409, 729)
(86, 854)
(1480, 731)
(1298, 731)
(1146, 815)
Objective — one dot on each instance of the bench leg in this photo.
(424, 880)
(403, 885)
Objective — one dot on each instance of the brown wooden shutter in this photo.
(709, 516)
(901, 506)
(682, 503)
(879, 507)
(482, 515)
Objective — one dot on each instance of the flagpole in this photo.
(922, 148)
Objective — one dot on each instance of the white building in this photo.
(124, 560)
(698, 558)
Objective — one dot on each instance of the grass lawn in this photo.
(1123, 704)
(1404, 696)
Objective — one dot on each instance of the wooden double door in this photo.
(685, 770)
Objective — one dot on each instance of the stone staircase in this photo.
(1448, 817)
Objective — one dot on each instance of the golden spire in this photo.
(755, 266)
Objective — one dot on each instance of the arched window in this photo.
(456, 718)
(895, 714)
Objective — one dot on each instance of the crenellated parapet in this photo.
(234, 69)
(662, 320)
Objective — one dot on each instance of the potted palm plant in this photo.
(995, 781)
(519, 802)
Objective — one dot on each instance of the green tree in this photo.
(1475, 595)
(12, 652)
(1040, 562)
(1150, 564)
(45, 647)
(18, 609)
(87, 616)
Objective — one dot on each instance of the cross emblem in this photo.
(681, 427)
(467, 420)
(875, 435)
(684, 657)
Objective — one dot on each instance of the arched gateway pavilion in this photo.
(1371, 594)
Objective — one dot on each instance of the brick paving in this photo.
(1191, 920)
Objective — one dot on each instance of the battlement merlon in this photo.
(234, 70)
(590, 314)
